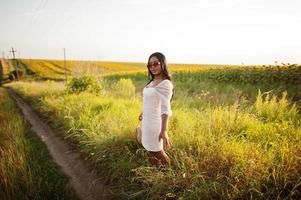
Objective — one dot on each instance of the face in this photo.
(154, 66)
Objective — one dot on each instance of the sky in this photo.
(186, 31)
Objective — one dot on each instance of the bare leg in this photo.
(153, 159)
(165, 160)
(159, 158)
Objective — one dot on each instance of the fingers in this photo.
(168, 144)
(166, 141)
(160, 137)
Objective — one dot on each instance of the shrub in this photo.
(16, 73)
(84, 83)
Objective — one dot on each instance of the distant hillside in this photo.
(54, 69)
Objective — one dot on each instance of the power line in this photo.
(30, 27)
(59, 23)
(37, 10)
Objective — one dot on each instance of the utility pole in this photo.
(65, 65)
(15, 62)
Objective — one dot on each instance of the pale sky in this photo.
(186, 31)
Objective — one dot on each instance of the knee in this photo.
(153, 158)
(159, 157)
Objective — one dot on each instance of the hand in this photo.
(163, 135)
(140, 117)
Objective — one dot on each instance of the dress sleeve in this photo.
(164, 91)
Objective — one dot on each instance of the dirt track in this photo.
(85, 182)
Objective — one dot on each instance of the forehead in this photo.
(153, 59)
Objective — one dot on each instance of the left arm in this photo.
(165, 93)
(164, 118)
(163, 134)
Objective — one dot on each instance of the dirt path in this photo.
(86, 184)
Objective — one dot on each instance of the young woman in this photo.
(156, 109)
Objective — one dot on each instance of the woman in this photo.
(156, 109)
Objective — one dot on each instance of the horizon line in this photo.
(172, 63)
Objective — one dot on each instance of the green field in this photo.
(56, 70)
(26, 169)
(235, 129)
(234, 138)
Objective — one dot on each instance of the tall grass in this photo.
(231, 151)
(26, 170)
(227, 81)
(271, 109)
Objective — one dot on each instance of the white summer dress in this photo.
(156, 101)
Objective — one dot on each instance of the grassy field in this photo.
(55, 69)
(223, 83)
(26, 170)
(231, 141)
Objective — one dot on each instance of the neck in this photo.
(158, 77)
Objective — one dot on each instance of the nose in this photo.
(151, 66)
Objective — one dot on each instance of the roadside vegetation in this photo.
(26, 169)
(233, 139)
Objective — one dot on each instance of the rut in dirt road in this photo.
(85, 182)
